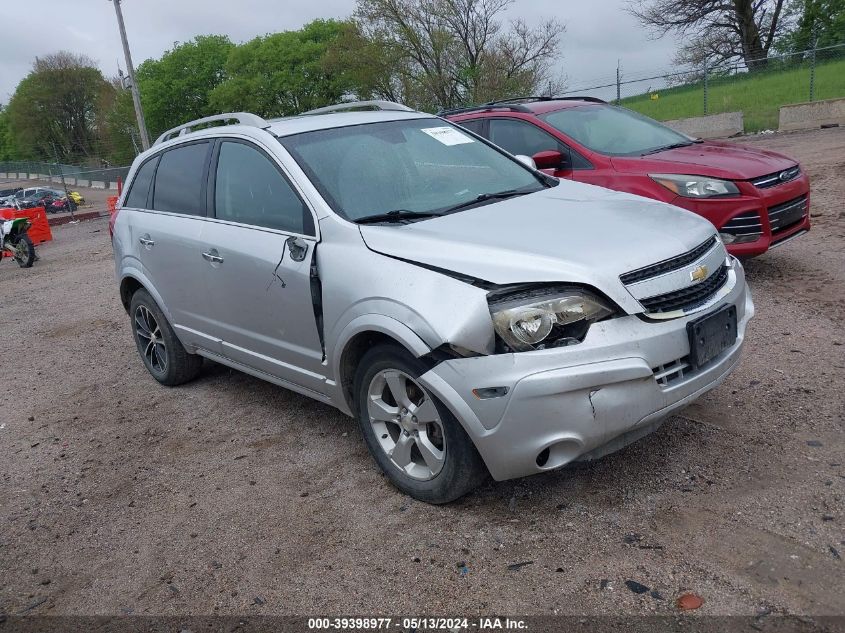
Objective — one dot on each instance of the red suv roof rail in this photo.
(514, 104)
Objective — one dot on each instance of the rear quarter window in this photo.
(179, 179)
(140, 187)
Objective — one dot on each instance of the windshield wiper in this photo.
(398, 215)
(667, 147)
(499, 195)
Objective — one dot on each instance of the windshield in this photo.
(416, 166)
(613, 131)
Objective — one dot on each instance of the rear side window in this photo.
(179, 179)
(137, 197)
(250, 189)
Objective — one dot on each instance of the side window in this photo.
(475, 125)
(137, 197)
(520, 137)
(250, 189)
(178, 180)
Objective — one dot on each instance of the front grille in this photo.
(772, 180)
(668, 265)
(666, 375)
(687, 298)
(783, 216)
(747, 223)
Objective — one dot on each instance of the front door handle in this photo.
(213, 256)
(146, 240)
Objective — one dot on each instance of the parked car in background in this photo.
(39, 198)
(43, 198)
(757, 199)
(61, 204)
(474, 314)
(29, 191)
(7, 196)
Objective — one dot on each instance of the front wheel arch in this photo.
(353, 351)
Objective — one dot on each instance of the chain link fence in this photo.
(72, 175)
(810, 75)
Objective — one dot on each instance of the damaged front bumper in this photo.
(547, 408)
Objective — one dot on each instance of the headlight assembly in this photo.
(539, 319)
(696, 186)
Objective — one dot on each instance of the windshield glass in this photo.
(613, 131)
(417, 166)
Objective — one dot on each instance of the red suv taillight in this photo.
(112, 220)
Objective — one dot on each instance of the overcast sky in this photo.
(597, 33)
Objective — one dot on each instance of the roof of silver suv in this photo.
(340, 115)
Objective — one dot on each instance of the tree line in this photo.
(428, 54)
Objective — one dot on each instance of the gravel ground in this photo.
(233, 496)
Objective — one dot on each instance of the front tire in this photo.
(163, 354)
(24, 251)
(413, 437)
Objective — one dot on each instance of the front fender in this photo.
(380, 323)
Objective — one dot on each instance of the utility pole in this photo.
(136, 96)
(64, 184)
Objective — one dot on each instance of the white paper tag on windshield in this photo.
(447, 135)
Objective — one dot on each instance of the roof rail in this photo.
(514, 104)
(517, 107)
(547, 98)
(377, 104)
(581, 98)
(243, 118)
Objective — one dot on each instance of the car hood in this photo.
(573, 232)
(708, 158)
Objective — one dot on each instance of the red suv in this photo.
(755, 198)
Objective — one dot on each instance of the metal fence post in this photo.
(813, 71)
(618, 85)
(706, 81)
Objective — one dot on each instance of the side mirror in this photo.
(525, 160)
(550, 159)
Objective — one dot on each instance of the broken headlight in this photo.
(533, 319)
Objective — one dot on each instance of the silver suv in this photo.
(476, 315)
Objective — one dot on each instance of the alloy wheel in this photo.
(150, 335)
(406, 424)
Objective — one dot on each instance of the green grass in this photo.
(757, 95)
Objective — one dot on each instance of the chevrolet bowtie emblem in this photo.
(699, 273)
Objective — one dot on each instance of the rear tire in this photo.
(24, 251)
(413, 437)
(163, 354)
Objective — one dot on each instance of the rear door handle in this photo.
(146, 240)
(213, 256)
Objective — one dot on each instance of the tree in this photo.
(176, 87)
(283, 73)
(54, 108)
(716, 30)
(453, 52)
(819, 22)
(119, 138)
(7, 150)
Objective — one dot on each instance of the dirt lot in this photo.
(232, 496)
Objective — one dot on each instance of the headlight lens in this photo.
(540, 320)
(696, 186)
